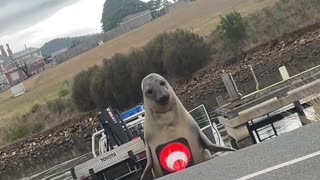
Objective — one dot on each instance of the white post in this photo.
(284, 73)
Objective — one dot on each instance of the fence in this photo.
(128, 26)
(75, 51)
(123, 28)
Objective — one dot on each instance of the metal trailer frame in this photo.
(111, 158)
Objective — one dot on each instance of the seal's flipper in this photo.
(210, 146)
(147, 173)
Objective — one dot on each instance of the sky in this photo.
(35, 22)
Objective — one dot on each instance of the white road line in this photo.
(280, 166)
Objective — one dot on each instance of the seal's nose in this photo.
(164, 98)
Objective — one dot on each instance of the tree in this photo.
(75, 42)
(23, 66)
(81, 89)
(115, 10)
(232, 30)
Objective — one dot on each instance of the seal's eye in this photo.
(162, 83)
(149, 91)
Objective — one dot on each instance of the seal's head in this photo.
(157, 93)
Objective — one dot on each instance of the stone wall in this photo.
(42, 151)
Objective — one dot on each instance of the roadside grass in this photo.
(271, 22)
(284, 17)
(40, 118)
(53, 110)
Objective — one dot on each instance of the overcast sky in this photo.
(34, 22)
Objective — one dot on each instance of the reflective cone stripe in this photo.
(174, 157)
(177, 161)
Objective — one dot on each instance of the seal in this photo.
(166, 119)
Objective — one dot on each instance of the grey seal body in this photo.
(166, 119)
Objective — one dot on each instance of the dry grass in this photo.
(200, 17)
(40, 117)
(282, 18)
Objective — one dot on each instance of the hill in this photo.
(56, 45)
(66, 42)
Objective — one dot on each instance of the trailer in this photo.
(120, 153)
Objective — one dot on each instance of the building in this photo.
(16, 67)
(32, 58)
(10, 74)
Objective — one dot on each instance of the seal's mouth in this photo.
(165, 106)
(164, 100)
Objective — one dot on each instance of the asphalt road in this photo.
(294, 155)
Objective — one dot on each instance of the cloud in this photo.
(74, 19)
(18, 14)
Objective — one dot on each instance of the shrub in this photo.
(154, 52)
(284, 17)
(35, 108)
(117, 82)
(185, 53)
(63, 92)
(99, 89)
(56, 105)
(22, 126)
(18, 133)
(232, 30)
(178, 53)
(140, 66)
(40, 117)
(81, 90)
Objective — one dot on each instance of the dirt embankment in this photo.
(299, 51)
(41, 151)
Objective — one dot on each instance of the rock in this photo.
(290, 40)
(302, 42)
(86, 135)
(72, 130)
(13, 153)
(193, 82)
(2, 168)
(314, 52)
(309, 40)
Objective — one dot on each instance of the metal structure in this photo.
(121, 151)
(120, 155)
(209, 128)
